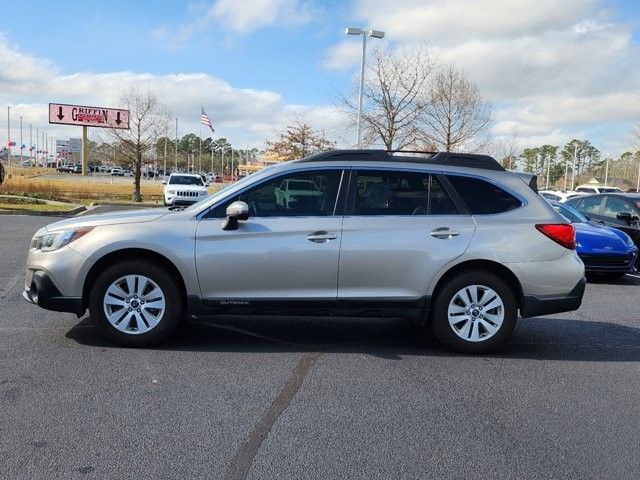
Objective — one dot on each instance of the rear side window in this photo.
(483, 197)
(389, 192)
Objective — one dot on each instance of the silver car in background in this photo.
(452, 240)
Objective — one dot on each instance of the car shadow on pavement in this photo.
(535, 338)
(629, 279)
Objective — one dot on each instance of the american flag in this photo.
(204, 119)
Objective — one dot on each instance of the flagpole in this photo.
(200, 153)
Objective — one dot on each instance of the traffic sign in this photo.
(88, 116)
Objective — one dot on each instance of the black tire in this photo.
(175, 305)
(444, 332)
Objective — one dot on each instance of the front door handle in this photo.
(444, 233)
(321, 236)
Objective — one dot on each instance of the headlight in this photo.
(203, 193)
(629, 241)
(55, 240)
(172, 192)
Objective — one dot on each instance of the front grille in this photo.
(607, 260)
(182, 193)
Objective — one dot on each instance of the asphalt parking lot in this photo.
(298, 398)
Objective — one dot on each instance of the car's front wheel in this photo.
(474, 312)
(136, 303)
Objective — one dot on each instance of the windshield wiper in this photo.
(177, 208)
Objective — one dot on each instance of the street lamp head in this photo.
(375, 33)
(353, 31)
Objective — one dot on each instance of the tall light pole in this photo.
(9, 136)
(606, 171)
(573, 169)
(548, 168)
(175, 168)
(21, 146)
(365, 33)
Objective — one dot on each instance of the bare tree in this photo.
(393, 97)
(457, 116)
(506, 149)
(296, 141)
(148, 121)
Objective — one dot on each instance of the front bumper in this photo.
(179, 200)
(610, 263)
(533, 306)
(44, 293)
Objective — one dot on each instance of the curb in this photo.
(126, 204)
(67, 213)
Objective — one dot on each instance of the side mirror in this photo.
(235, 212)
(164, 182)
(625, 217)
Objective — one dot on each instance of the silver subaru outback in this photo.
(452, 240)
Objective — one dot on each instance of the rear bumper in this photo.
(533, 306)
(45, 294)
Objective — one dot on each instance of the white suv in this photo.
(184, 189)
(597, 189)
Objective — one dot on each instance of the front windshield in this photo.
(185, 180)
(570, 214)
(221, 193)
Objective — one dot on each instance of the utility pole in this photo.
(31, 143)
(606, 171)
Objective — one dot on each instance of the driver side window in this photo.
(302, 194)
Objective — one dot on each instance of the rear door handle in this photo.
(444, 233)
(321, 236)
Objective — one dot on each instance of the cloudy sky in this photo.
(554, 70)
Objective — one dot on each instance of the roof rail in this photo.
(471, 160)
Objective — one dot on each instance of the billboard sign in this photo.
(88, 116)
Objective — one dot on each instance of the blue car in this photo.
(602, 249)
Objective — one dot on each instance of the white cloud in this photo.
(345, 54)
(245, 116)
(552, 69)
(238, 18)
(245, 17)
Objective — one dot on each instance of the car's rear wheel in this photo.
(136, 303)
(474, 312)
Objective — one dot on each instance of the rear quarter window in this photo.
(482, 197)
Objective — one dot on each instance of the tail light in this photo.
(562, 233)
